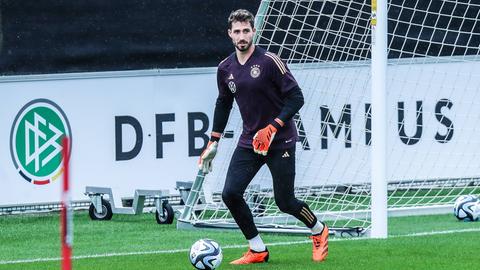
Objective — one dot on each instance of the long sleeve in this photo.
(223, 106)
(293, 102)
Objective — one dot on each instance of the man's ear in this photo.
(229, 31)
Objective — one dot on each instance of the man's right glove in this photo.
(205, 161)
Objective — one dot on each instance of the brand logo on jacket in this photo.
(232, 86)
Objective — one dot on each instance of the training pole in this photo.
(66, 217)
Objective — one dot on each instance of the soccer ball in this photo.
(467, 208)
(206, 254)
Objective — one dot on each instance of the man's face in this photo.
(241, 34)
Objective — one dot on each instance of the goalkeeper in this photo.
(268, 97)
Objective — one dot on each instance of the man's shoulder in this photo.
(226, 62)
(274, 61)
(262, 54)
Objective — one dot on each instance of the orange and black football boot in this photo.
(252, 257)
(320, 245)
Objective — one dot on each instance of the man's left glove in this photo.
(263, 138)
(205, 161)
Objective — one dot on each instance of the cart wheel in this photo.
(167, 216)
(106, 211)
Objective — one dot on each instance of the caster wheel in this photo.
(106, 211)
(167, 216)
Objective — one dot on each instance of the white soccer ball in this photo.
(206, 254)
(467, 208)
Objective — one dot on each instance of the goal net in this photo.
(433, 101)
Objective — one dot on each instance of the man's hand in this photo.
(263, 138)
(205, 161)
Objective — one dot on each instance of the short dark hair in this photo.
(241, 15)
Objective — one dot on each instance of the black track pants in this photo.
(243, 166)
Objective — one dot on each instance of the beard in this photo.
(243, 46)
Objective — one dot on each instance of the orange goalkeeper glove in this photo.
(263, 138)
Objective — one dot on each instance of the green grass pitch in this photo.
(137, 242)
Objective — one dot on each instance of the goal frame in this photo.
(376, 185)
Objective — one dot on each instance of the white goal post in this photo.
(378, 164)
(391, 116)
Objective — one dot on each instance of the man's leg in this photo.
(282, 167)
(243, 167)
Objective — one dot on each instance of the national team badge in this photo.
(255, 71)
(232, 87)
(35, 141)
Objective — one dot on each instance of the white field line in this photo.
(118, 254)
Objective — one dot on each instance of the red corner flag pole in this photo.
(66, 217)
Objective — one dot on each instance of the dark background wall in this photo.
(51, 36)
(416, 28)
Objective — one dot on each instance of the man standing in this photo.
(268, 97)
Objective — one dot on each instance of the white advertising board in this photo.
(144, 130)
(433, 122)
(98, 109)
